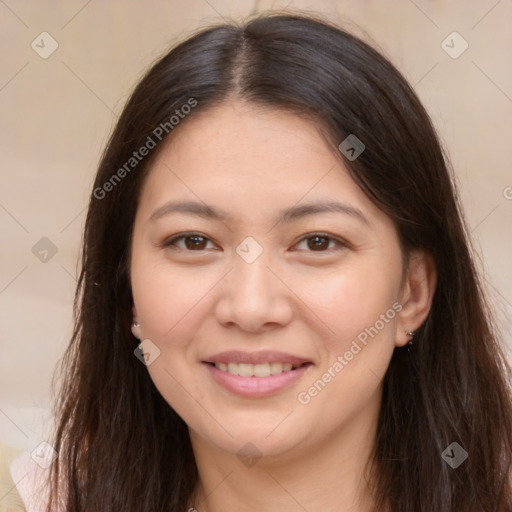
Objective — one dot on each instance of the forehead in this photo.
(249, 136)
(247, 159)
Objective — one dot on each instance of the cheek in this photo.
(357, 307)
(350, 300)
(342, 302)
(170, 305)
(168, 298)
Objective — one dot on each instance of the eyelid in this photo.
(168, 242)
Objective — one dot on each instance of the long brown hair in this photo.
(122, 447)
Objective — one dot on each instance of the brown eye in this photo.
(195, 242)
(192, 242)
(319, 242)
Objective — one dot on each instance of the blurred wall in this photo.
(66, 71)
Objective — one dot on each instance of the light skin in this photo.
(302, 295)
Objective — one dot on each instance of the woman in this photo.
(278, 308)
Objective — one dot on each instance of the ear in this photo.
(416, 295)
(135, 324)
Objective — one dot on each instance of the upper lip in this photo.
(264, 356)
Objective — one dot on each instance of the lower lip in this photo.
(256, 387)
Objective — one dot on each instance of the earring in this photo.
(411, 334)
(136, 330)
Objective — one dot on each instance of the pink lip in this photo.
(255, 387)
(264, 356)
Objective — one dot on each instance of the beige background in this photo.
(57, 114)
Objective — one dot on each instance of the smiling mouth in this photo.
(257, 370)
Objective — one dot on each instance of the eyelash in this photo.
(341, 244)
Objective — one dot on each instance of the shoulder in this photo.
(23, 482)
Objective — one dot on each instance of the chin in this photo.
(252, 439)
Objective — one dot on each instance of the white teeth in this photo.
(276, 368)
(254, 370)
(262, 370)
(245, 370)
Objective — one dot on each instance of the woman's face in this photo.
(254, 252)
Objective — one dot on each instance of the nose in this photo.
(254, 297)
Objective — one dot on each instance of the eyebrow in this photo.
(286, 215)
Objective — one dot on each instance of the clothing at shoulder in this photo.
(10, 499)
(22, 481)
